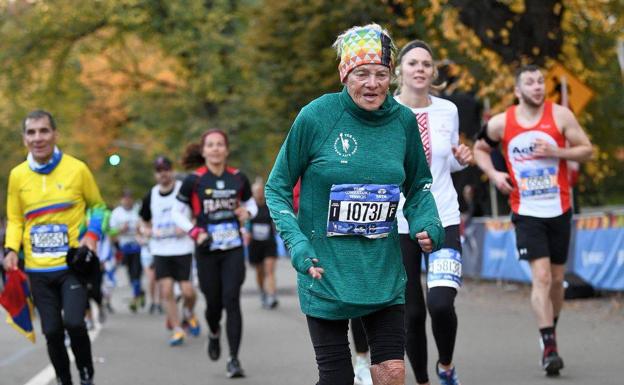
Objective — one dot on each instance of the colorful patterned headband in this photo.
(364, 46)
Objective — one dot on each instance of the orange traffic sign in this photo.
(578, 93)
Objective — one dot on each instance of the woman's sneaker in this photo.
(234, 369)
(214, 346)
(447, 377)
(361, 372)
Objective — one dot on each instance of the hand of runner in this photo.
(242, 214)
(501, 181)
(424, 241)
(316, 272)
(543, 149)
(10, 261)
(462, 153)
(89, 242)
(202, 237)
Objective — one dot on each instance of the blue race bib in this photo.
(541, 181)
(445, 269)
(368, 210)
(49, 241)
(224, 236)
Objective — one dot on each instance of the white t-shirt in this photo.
(165, 239)
(121, 216)
(443, 127)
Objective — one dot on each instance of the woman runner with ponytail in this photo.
(221, 201)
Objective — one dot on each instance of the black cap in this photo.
(162, 163)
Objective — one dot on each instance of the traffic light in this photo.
(114, 160)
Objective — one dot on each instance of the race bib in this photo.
(261, 231)
(224, 236)
(49, 241)
(445, 269)
(368, 210)
(164, 230)
(538, 182)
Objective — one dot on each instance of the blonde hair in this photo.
(406, 48)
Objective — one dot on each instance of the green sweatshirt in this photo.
(334, 142)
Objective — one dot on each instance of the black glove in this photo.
(82, 260)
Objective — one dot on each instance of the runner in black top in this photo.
(220, 199)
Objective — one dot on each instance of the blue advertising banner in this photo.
(500, 256)
(599, 257)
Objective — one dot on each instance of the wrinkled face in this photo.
(40, 138)
(164, 177)
(417, 69)
(531, 89)
(368, 85)
(215, 149)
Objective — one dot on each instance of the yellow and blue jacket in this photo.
(45, 212)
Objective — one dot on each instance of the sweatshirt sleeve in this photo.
(15, 216)
(420, 208)
(290, 164)
(95, 204)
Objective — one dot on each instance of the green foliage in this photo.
(145, 77)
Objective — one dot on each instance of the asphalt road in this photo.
(497, 343)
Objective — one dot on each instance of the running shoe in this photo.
(141, 300)
(153, 308)
(177, 338)
(270, 302)
(133, 306)
(448, 377)
(361, 372)
(234, 369)
(552, 363)
(192, 325)
(214, 346)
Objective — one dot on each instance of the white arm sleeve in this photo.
(180, 216)
(251, 206)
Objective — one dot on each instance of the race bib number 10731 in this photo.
(362, 209)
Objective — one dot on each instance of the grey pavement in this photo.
(497, 343)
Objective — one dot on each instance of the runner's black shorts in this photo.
(258, 250)
(177, 267)
(543, 237)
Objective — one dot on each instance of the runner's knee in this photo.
(389, 372)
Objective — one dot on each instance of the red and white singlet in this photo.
(541, 187)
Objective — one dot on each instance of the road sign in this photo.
(578, 94)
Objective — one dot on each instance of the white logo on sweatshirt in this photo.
(345, 145)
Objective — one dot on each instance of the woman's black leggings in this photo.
(359, 335)
(221, 275)
(440, 302)
(385, 330)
